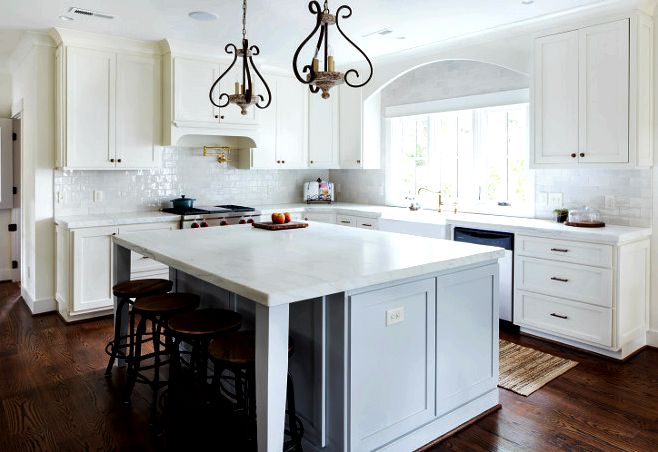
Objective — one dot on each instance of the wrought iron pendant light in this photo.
(244, 95)
(327, 77)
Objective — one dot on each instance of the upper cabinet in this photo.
(360, 129)
(323, 130)
(590, 96)
(108, 107)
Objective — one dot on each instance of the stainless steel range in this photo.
(205, 217)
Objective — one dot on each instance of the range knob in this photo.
(204, 224)
(223, 223)
(243, 221)
(195, 225)
(250, 221)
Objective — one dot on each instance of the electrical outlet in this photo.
(98, 196)
(394, 316)
(555, 199)
(542, 198)
(609, 202)
(59, 197)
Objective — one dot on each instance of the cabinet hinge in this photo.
(14, 264)
(12, 227)
(14, 137)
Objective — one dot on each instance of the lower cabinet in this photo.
(436, 342)
(320, 217)
(85, 264)
(357, 222)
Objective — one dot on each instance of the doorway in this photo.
(17, 234)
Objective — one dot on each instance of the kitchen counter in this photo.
(114, 219)
(317, 261)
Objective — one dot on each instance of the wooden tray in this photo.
(280, 227)
(586, 224)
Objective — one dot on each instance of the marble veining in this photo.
(274, 268)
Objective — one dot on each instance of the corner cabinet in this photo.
(590, 96)
(108, 108)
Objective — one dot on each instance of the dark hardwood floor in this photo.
(53, 396)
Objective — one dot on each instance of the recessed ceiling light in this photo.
(527, 2)
(203, 16)
(63, 17)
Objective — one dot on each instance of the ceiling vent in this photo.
(89, 13)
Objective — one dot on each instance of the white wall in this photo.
(5, 214)
(33, 66)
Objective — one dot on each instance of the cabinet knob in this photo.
(221, 117)
(358, 161)
(582, 154)
(278, 161)
(119, 161)
(283, 161)
(111, 160)
(216, 116)
(573, 155)
(311, 162)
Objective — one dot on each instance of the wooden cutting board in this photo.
(280, 227)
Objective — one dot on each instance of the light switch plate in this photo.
(394, 316)
(98, 196)
(555, 199)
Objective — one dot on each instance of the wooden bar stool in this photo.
(157, 309)
(237, 354)
(125, 292)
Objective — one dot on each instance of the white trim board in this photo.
(519, 96)
(652, 338)
(38, 306)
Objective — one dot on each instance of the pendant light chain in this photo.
(326, 6)
(244, 19)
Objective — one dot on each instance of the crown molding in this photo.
(29, 40)
(68, 36)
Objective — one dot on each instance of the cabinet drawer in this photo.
(564, 250)
(346, 220)
(564, 318)
(576, 282)
(366, 223)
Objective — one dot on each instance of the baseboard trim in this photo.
(652, 338)
(6, 274)
(38, 306)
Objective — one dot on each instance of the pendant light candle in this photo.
(244, 96)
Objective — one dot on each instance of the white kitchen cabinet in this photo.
(291, 123)
(588, 295)
(92, 268)
(589, 96)
(351, 127)
(84, 268)
(192, 79)
(357, 222)
(320, 217)
(346, 220)
(108, 109)
(323, 131)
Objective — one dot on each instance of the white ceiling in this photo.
(279, 26)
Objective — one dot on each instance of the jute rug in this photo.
(524, 370)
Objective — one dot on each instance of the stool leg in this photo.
(295, 434)
(117, 337)
(132, 377)
(156, 367)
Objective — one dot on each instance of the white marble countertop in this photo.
(279, 267)
(610, 234)
(114, 219)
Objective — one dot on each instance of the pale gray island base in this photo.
(390, 364)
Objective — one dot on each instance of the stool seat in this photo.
(166, 304)
(205, 322)
(238, 348)
(142, 288)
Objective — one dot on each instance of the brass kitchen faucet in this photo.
(436, 193)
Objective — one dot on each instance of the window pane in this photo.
(444, 151)
(492, 155)
(517, 154)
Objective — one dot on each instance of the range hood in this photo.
(220, 136)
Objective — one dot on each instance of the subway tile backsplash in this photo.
(183, 171)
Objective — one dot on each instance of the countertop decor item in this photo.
(183, 202)
(244, 96)
(280, 227)
(328, 76)
(585, 217)
(561, 215)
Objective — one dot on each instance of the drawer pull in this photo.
(559, 316)
(366, 225)
(345, 221)
(555, 278)
(560, 250)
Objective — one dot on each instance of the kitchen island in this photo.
(397, 335)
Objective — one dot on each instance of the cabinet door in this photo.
(138, 111)
(351, 127)
(192, 82)
(323, 130)
(90, 108)
(604, 93)
(392, 362)
(466, 336)
(92, 268)
(232, 114)
(291, 124)
(556, 98)
(264, 156)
